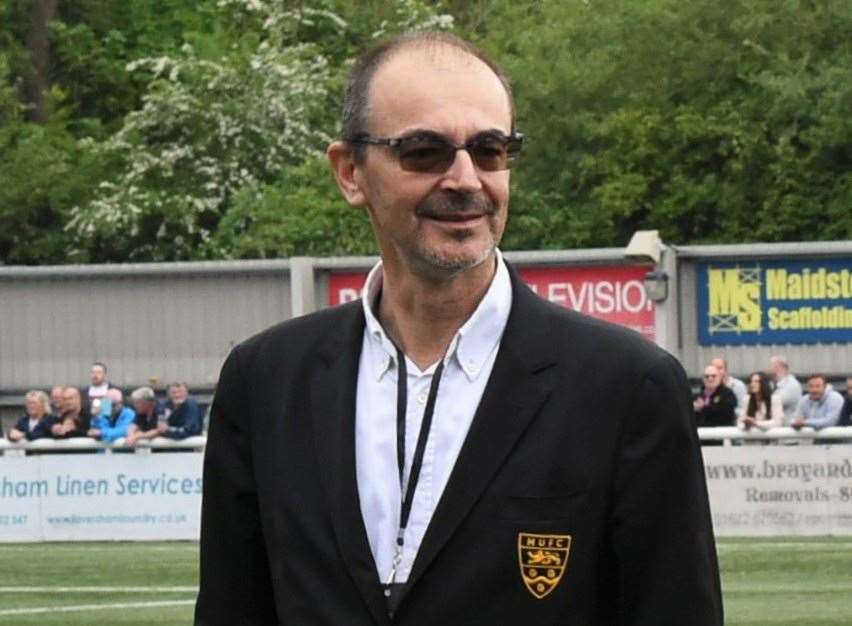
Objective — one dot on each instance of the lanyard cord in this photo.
(419, 449)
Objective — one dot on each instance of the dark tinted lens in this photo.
(426, 154)
(489, 154)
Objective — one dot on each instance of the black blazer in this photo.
(585, 430)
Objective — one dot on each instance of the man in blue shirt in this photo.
(113, 422)
(821, 406)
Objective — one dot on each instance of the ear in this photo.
(343, 166)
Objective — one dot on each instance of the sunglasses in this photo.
(431, 153)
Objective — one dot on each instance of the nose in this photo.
(462, 175)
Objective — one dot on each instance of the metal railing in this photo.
(728, 434)
(74, 444)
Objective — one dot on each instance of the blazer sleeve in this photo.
(235, 585)
(662, 536)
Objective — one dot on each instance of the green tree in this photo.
(721, 122)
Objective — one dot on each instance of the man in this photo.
(734, 384)
(113, 423)
(99, 384)
(715, 405)
(182, 416)
(820, 407)
(148, 415)
(73, 419)
(532, 503)
(787, 386)
(56, 399)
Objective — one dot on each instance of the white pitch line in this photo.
(98, 589)
(94, 607)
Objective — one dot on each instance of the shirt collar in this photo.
(474, 342)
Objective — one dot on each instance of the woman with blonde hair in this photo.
(37, 421)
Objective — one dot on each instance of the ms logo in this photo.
(734, 302)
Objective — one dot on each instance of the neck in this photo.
(422, 315)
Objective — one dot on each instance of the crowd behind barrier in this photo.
(772, 401)
(771, 405)
(99, 415)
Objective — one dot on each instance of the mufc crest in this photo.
(542, 559)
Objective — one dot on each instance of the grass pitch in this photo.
(766, 582)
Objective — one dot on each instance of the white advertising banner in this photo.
(771, 490)
(755, 490)
(100, 497)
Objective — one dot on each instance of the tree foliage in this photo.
(195, 128)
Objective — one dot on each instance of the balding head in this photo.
(115, 396)
(357, 103)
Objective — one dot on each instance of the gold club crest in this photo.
(542, 559)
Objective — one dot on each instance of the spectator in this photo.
(56, 399)
(182, 416)
(112, 424)
(820, 408)
(98, 377)
(846, 411)
(788, 387)
(73, 420)
(715, 405)
(734, 384)
(148, 412)
(37, 421)
(763, 409)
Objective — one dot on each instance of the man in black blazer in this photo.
(577, 496)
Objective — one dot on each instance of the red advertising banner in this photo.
(609, 292)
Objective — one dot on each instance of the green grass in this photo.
(766, 582)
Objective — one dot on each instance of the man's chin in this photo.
(453, 262)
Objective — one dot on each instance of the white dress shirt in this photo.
(467, 367)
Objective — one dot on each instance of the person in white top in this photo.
(787, 386)
(763, 408)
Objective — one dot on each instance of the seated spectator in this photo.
(113, 423)
(73, 421)
(846, 411)
(715, 404)
(820, 408)
(148, 414)
(763, 409)
(182, 414)
(734, 384)
(788, 387)
(37, 421)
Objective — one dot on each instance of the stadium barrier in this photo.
(77, 444)
(730, 434)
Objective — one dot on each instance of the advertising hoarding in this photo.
(774, 302)
(610, 292)
(100, 497)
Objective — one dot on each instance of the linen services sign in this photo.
(775, 302)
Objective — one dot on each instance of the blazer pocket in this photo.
(548, 508)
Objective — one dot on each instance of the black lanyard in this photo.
(407, 498)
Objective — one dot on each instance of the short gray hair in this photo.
(145, 394)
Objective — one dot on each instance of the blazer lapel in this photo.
(515, 392)
(333, 391)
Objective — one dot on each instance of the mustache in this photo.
(443, 203)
